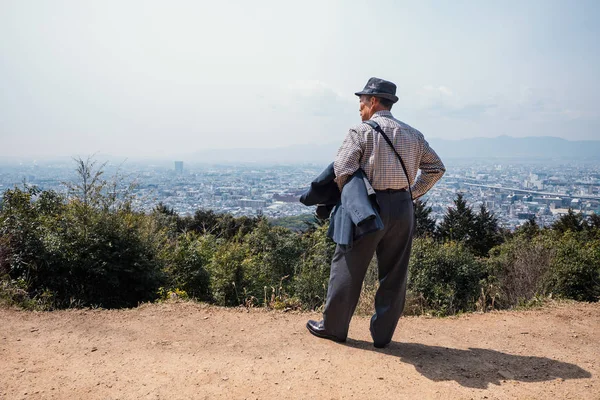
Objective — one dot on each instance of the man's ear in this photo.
(371, 101)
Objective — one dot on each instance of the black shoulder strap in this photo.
(376, 126)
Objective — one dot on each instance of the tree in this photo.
(486, 233)
(90, 186)
(569, 222)
(223, 226)
(529, 229)
(162, 208)
(458, 223)
(425, 225)
(204, 221)
(593, 222)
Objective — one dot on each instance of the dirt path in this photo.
(194, 351)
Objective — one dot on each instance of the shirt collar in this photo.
(383, 113)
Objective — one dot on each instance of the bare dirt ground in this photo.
(195, 351)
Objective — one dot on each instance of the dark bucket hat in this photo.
(380, 88)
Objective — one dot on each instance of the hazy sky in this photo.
(149, 78)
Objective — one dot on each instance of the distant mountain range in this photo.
(534, 147)
(507, 146)
(499, 147)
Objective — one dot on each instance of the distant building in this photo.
(286, 197)
(575, 204)
(525, 215)
(252, 203)
(179, 167)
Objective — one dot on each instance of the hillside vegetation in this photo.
(90, 248)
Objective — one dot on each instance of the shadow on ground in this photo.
(476, 368)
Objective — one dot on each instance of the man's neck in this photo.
(382, 112)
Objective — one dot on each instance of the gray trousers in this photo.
(350, 264)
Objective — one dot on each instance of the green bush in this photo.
(447, 277)
(297, 223)
(312, 276)
(109, 259)
(227, 273)
(186, 260)
(574, 271)
(25, 225)
(77, 254)
(257, 268)
(548, 262)
(223, 226)
(273, 258)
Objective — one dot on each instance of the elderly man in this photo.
(392, 172)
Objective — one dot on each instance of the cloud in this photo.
(572, 114)
(429, 96)
(310, 88)
(316, 98)
(521, 104)
(528, 103)
(442, 101)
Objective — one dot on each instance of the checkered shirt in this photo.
(365, 148)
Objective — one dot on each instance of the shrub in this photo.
(13, 293)
(77, 254)
(186, 260)
(574, 271)
(257, 268)
(103, 258)
(517, 267)
(312, 274)
(548, 263)
(272, 262)
(227, 274)
(223, 226)
(446, 276)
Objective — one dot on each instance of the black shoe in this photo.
(317, 329)
(378, 345)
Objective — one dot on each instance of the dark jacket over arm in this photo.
(323, 190)
(355, 213)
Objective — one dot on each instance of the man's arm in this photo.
(348, 157)
(432, 170)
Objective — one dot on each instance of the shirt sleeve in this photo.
(348, 157)
(432, 170)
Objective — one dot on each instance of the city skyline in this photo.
(514, 191)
